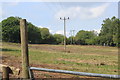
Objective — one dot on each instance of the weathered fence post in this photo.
(24, 49)
(5, 73)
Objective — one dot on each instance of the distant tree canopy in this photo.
(109, 34)
(47, 38)
(85, 37)
(11, 31)
(34, 35)
(59, 38)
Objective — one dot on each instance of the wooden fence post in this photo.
(24, 49)
(5, 73)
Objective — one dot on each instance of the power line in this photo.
(64, 31)
(51, 6)
(61, 5)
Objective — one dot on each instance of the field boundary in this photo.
(73, 73)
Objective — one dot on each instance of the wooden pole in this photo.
(64, 31)
(24, 49)
(64, 34)
(5, 73)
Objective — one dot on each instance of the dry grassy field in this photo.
(93, 59)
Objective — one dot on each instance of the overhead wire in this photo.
(48, 5)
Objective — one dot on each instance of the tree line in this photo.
(108, 35)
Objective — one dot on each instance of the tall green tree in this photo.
(34, 35)
(59, 38)
(84, 37)
(11, 31)
(109, 32)
(47, 38)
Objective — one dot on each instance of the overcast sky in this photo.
(83, 15)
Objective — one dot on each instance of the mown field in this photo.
(93, 59)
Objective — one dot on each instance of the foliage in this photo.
(59, 38)
(85, 37)
(46, 36)
(11, 31)
(109, 32)
(71, 40)
(34, 35)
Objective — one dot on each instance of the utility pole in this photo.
(72, 36)
(64, 31)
